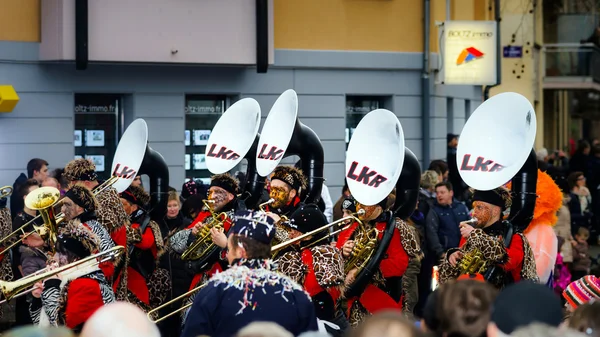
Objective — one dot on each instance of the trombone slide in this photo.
(182, 296)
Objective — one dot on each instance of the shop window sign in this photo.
(356, 108)
(201, 115)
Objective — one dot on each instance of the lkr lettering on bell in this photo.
(126, 172)
(481, 164)
(366, 176)
(274, 153)
(222, 153)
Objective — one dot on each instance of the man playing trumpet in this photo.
(483, 248)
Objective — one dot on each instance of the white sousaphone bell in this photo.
(496, 141)
(130, 154)
(233, 136)
(284, 135)
(375, 157)
(496, 146)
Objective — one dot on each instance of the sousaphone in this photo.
(496, 146)
(129, 155)
(374, 163)
(284, 135)
(235, 137)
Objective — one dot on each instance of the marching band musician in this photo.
(386, 290)
(79, 206)
(287, 182)
(110, 214)
(250, 289)
(6, 273)
(70, 298)
(503, 265)
(222, 196)
(144, 255)
(316, 265)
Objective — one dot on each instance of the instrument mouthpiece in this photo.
(270, 201)
(210, 201)
(472, 221)
(360, 212)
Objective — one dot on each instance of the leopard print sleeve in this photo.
(51, 300)
(179, 241)
(409, 239)
(158, 239)
(5, 222)
(529, 270)
(110, 212)
(290, 264)
(491, 247)
(328, 265)
(410, 288)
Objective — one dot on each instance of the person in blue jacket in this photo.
(250, 289)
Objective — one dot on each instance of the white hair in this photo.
(119, 319)
(541, 154)
(543, 330)
(263, 329)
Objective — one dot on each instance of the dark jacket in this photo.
(441, 227)
(32, 259)
(249, 291)
(579, 218)
(16, 200)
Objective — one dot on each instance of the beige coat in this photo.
(563, 230)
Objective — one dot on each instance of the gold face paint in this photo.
(369, 210)
(280, 195)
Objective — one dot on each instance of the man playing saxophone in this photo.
(386, 289)
(483, 248)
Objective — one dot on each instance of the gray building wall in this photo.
(42, 124)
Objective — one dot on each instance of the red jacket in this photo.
(515, 253)
(394, 264)
(83, 299)
(136, 283)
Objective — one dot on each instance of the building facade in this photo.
(180, 68)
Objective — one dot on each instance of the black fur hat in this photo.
(225, 181)
(290, 175)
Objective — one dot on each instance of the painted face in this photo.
(483, 212)
(219, 196)
(70, 209)
(280, 192)
(369, 212)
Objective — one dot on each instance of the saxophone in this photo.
(203, 245)
(363, 250)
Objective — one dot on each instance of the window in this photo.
(97, 125)
(201, 114)
(356, 108)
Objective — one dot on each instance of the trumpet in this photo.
(5, 191)
(153, 311)
(11, 289)
(353, 216)
(204, 240)
(43, 200)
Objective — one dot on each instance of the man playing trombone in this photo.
(71, 297)
(110, 214)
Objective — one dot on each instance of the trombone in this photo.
(43, 200)
(353, 216)
(151, 312)
(11, 289)
(5, 191)
(30, 289)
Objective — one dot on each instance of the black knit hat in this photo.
(82, 197)
(524, 303)
(290, 175)
(306, 218)
(254, 225)
(349, 204)
(136, 195)
(226, 182)
(499, 196)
